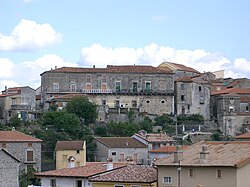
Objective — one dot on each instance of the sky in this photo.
(39, 35)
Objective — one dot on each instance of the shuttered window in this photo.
(30, 156)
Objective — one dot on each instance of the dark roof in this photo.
(229, 153)
(69, 145)
(6, 152)
(129, 174)
(15, 136)
(83, 171)
(112, 69)
(121, 142)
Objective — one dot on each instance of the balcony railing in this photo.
(127, 91)
(97, 91)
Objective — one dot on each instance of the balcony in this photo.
(98, 91)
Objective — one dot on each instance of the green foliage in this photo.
(28, 178)
(83, 108)
(190, 118)
(14, 121)
(163, 120)
(53, 108)
(121, 129)
(146, 125)
(101, 131)
(216, 137)
(61, 121)
(131, 116)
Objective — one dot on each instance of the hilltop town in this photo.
(126, 125)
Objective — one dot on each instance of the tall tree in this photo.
(83, 108)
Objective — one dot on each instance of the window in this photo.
(118, 185)
(148, 86)
(13, 101)
(104, 78)
(134, 103)
(182, 86)
(118, 86)
(201, 100)
(104, 102)
(162, 101)
(117, 103)
(78, 151)
(183, 112)
(3, 145)
(30, 156)
(88, 86)
(88, 79)
(231, 109)
(56, 87)
(147, 101)
(247, 108)
(200, 88)
(79, 183)
(53, 182)
(219, 173)
(29, 144)
(113, 153)
(73, 87)
(182, 97)
(104, 86)
(167, 180)
(190, 172)
(135, 86)
(188, 107)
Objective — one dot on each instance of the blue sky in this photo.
(37, 35)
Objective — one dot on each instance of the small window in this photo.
(188, 107)
(113, 153)
(147, 101)
(182, 97)
(104, 102)
(73, 87)
(30, 156)
(162, 101)
(231, 109)
(167, 180)
(118, 86)
(104, 78)
(219, 173)
(182, 86)
(117, 103)
(88, 78)
(56, 87)
(134, 103)
(78, 151)
(3, 145)
(148, 86)
(29, 144)
(190, 172)
(13, 101)
(135, 86)
(200, 88)
(247, 108)
(53, 182)
(79, 183)
(118, 185)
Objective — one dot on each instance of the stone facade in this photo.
(9, 170)
(17, 101)
(192, 98)
(144, 88)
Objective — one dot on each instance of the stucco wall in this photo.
(110, 184)
(243, 174)
(205, 176)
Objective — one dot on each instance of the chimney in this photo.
(204, 154)
(178, 155)
(110, 163)
(93, 66)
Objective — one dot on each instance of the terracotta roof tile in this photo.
(167, 149)
(121, 142)
(231, 91)
(69, 145)
(112, 69)
(155, 137)
(184, 79)
(243, 136)
(245, 99)
(175, 66)
(235, 82)
(230, 153)
(83, 171)
(15, 136)
(129, 174)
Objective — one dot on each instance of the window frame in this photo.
(168, 181)
(113, 153)
(73, 87)
(150, 86)
(55, 87)
(118, 86)
(77, 185)
(53, 182)
(219, 173)
(190, 172)
(27, 157)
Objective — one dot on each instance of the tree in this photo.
(163, 120)
(83, 108)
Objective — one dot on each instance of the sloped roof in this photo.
(231, 91)
(69, 145)
(184, 79)
(243, 136)
(167, 149)
(155, 137)
(9, 154)
(230, 153)
(129, 174)
(112, 69)
(235, 82)
(83, 171)
(15, 136)
(121, 142)
(175, 66)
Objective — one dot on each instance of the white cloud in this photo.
(154, 54)
(28, 72)
(29, 36)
